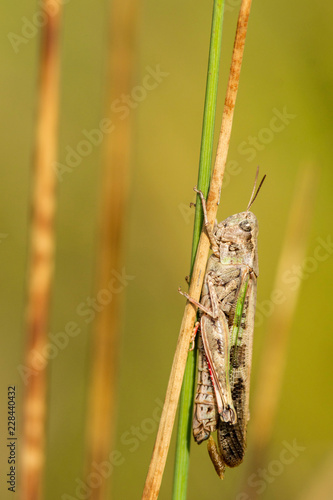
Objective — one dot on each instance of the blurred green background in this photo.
(287, 65)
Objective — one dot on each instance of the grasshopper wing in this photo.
(232, 437)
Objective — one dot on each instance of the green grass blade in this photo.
(208, 126)
(204, 175)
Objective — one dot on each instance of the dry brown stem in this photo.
(101, 411)
(41, 261)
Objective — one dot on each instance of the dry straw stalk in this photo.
(40, 272)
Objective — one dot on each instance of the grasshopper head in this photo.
(237, 238)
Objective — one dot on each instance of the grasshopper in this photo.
(226, 310)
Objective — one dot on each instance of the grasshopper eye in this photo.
(245, 226)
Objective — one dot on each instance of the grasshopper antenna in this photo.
(253, 196)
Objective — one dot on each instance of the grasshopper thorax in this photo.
(236, 237)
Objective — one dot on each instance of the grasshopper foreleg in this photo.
(194, 334)
(208, 226)
(197, 304)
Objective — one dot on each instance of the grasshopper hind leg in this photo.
(205, 415)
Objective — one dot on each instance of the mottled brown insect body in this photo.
(227, 308)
